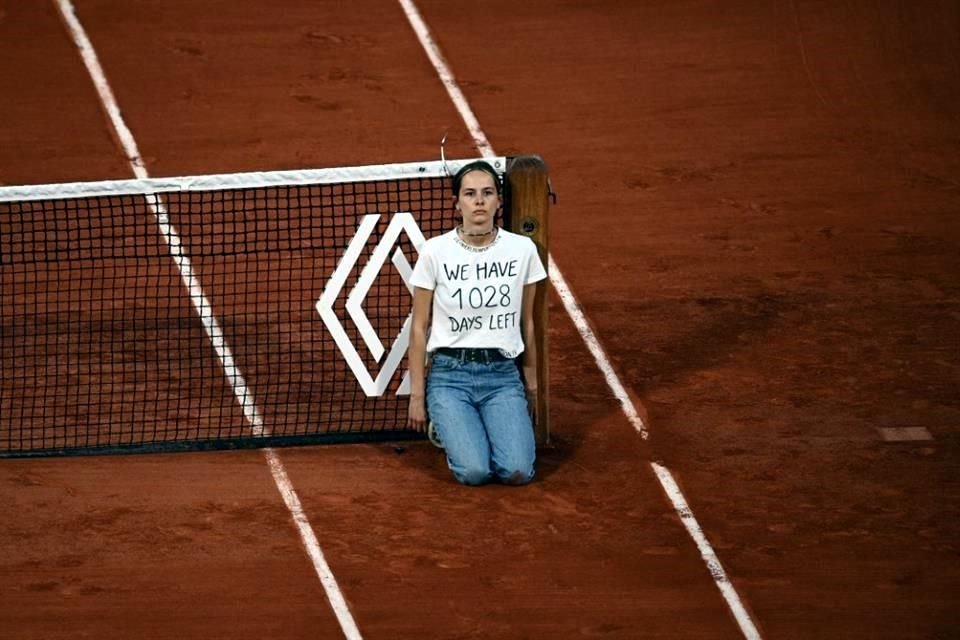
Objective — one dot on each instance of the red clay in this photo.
(757, 210)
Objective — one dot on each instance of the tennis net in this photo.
(212, 311)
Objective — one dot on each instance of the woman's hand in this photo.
(532, 403)
(416, 357)
(417, 413)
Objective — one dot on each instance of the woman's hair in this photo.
(476, 165)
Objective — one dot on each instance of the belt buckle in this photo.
(473, 355)
(481, 356)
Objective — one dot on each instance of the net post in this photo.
(528, 189)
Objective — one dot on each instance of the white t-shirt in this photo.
(477, 292)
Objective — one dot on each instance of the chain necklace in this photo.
(476, 235)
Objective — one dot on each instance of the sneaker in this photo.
(433, 436)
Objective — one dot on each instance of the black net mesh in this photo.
(190, 319)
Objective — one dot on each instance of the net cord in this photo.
(250, 180)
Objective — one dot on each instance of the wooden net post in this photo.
(529, 204)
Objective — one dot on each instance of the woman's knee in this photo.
(516, 474)
(473, 476)
(514, 462)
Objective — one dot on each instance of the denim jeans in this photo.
(480, 413)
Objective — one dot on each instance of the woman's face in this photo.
(478, 200)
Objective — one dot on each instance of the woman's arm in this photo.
(530, 344)
(417, 355)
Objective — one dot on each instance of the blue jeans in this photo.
(480, 413)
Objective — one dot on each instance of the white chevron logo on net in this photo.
(401, 221)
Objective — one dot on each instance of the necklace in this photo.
(476, 235)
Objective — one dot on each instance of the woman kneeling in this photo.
(474, 289)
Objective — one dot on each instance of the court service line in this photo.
(573, 308)
(204, 309)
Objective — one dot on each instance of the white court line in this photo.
(593, 344)
(706, 551)
(204, 309)
(663, 475)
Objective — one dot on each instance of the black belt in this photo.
(473, 355)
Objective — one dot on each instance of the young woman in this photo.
(474, 288)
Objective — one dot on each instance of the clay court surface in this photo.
(758, 212)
